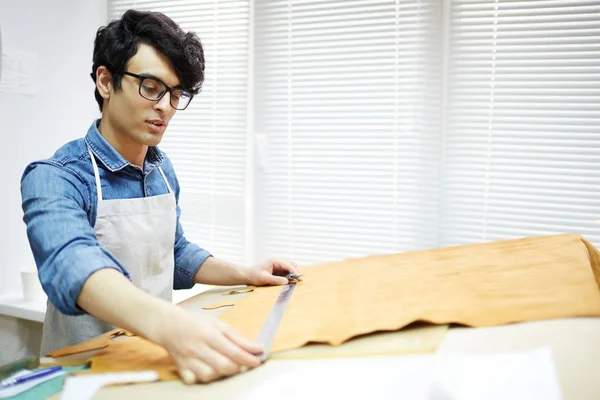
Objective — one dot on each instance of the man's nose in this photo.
(164, 103)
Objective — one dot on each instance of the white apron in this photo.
(140, 233)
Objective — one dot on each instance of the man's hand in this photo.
(204, 348)
(218, 272)
(272, 272)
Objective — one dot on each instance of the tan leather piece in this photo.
(98, 342)
(135, 354)
(245, 289)
(226, 303)
(476, 285)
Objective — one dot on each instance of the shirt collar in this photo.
(111, 158)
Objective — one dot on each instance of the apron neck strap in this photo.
(96, 174)
(165, 178)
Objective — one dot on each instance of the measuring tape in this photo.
(267, 332)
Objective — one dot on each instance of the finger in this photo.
(266, 278)
(238, 339)
(202, 371)
(276, 280)
(239, 349)
(222, 364)
(288, 266)
(187, 376)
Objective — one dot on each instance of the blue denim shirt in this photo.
(59, 202)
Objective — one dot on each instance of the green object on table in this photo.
(48, 388)
(30, 362)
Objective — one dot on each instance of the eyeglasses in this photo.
(154, 89)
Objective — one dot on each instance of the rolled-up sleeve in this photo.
(55, 204)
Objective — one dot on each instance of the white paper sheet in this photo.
(84, 387)
(524, 375)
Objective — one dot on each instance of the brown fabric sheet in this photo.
(477, 285)
(96, 343)
(135, 354)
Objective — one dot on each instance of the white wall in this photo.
(60, 33)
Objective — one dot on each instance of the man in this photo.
(102, 215)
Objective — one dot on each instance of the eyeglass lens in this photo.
(152, 89)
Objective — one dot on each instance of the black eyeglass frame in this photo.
(167, 87)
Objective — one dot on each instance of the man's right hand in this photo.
(204, 348)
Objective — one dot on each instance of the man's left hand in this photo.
(272, 272)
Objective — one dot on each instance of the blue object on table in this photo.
(39, 373)
(47, 388)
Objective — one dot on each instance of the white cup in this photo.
(32, 288)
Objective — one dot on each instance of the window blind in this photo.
(387, 126)
(207, 141)
(348, 132)
(522, 137)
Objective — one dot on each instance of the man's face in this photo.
(132, 117)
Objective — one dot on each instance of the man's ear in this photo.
(104, 82)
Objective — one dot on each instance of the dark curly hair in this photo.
(117, 42)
